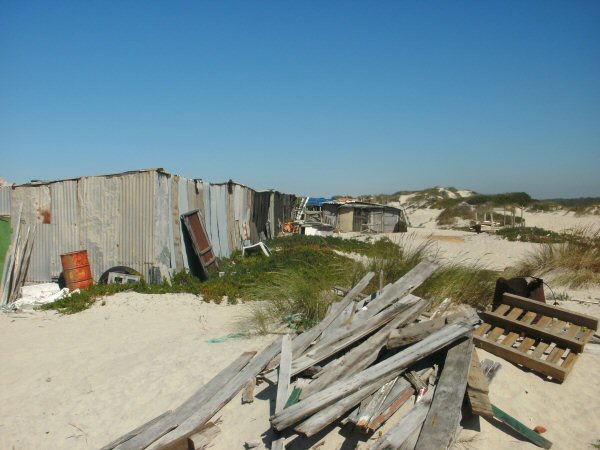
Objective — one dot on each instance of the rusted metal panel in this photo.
(194, 223)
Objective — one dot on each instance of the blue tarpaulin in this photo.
(318, 201)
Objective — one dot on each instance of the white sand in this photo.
(77, 382)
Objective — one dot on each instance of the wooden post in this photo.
(283, 384)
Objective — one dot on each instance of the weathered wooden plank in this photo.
(533, 330)
(549, 310)
(215, 403)
(381, 370)
(514, 356)
(135, 431)
(406, 426)
(528, 341)
(248, 393)
(328, 415)
(203, 439)
(185, 410)
(511, 338)
(412, 333)
(478, 388)
(375, 403)
(283, 384)
(356, 332)
(444, 415)
(304, 340)
(522, 429)
(363, 355)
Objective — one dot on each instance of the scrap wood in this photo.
(363, 355)
(410, 423)
(304, 340)
(478, 389)
(381, 370)
(248, 393)
(220, 399)
(374, 403)
(143, 436)
(135, 431)
(346, 337)
(521, 428)
(401, 392)
(202, 439)
(283, 384)
(443, 417)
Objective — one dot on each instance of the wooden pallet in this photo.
(541, 337)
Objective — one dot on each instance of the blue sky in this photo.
(317, 98)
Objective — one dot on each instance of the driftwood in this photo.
(213, 405)
(152, 432)
(440, 426)
(135, 431)
(363, 355)
(248, 393)
(203, 439)
(418, 331)
(283, 384)
(478, 389)
(386, 370)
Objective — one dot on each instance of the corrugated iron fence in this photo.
(133, 219)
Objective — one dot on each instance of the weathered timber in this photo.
(411, 422)
(350, 335)
(185, 410)
(283, 384)
(363, 355)
(135, 431)
(549, 310)
(533, 330)
(304, 340)
(328, 415)
(401, 392)
(205, 411)
(478, 389)
(203, 439)
(248, 393)
(418, 331)
(444, 415)
(374, 405)
(382, 370)
(441, 308)
(514, 356)
(520, 428)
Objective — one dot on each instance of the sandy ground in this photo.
(77, 382)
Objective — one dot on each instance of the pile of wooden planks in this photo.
(535, 335)
(16, 263)
(359, 366)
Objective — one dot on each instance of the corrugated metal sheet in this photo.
(133, 219)
(5, 200)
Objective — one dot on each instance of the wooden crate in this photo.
(541, 337)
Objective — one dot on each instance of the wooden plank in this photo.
(328, 415)
(406, 426)
(213, 405)
(381, 370)
(304, 340)
(356, 332)
(444, 414)
(511, 338)
(248, 393)
(363, 355)
(533, 330)
(520, 428)
(283, 384)
(204, 438)
(482, 329)
(528, 341)
(373, 406)
(499, 330)
(514, 356)
(478, 388)
(185, 410)
(552, 311)
(135, 431)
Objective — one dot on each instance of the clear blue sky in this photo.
(310, 97)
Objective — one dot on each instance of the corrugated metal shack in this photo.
(5, 200)
(133, 219)
(364, 217)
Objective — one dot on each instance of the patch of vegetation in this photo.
(575, 263)
(533, 234)
(506, 199)
(5, 234)
(471, 284)
(449, 215)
